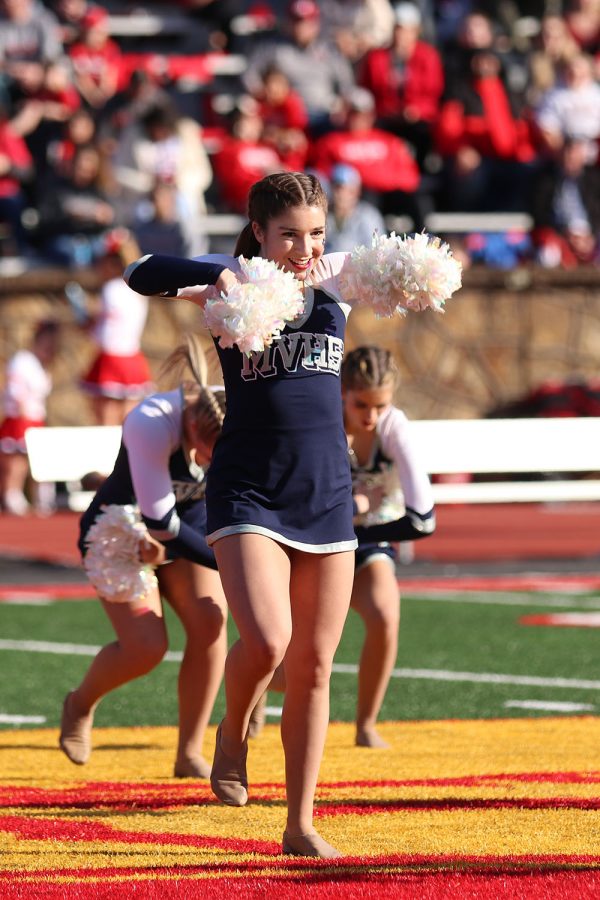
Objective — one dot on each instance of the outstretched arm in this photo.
(160, 274)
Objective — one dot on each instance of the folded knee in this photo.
(145, 653)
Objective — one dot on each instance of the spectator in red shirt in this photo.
(389, 173)
(406, 80)
(96, 59)
(488, 148)
(244, 157)
(16, 172)
(284, 117)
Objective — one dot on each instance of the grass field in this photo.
(462, 656)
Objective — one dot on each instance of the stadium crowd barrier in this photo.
(537, 460)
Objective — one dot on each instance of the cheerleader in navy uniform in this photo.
(161, 465)
(279, 492)
(393, 502)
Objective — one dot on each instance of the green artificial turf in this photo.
(434, 635)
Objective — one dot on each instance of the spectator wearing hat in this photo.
(96, 59)
(406, 79)
(314, 67)
(351, 221)
(389, 174)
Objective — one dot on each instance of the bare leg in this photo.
(110, 411)
(196, 595)
(376, 599)
(14, 469)
(141, 643)
(321, 587)
(255, 572)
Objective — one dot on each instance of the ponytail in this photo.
(247, 244)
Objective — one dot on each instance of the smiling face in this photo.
(294, 240)
(363, 408)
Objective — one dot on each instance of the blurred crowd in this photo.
(133, 116)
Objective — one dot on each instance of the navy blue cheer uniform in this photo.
(280, 467)
(398, 490)
(152, 472)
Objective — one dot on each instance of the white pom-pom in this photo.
(396, 274)
(112, 559)
(253, 312)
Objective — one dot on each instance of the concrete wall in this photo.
(501, 335)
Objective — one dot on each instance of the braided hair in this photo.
(207, 405)
(368, 367)
(270, 197)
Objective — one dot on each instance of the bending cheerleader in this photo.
(167, 445)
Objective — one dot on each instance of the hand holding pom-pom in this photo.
(254, 311)
(112, 560)
(396, 274)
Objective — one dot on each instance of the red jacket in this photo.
(494, 133)
(238, 165)
(13, 146)
(291, 113)
(383, 160)
(419, 88)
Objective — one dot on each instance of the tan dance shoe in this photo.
(228, 777)
(75, 738)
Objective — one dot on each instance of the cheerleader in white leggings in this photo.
(166, 448)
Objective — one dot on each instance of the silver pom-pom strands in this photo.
(112, 559)
(252, 313)
(396, 274)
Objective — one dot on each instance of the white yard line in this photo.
(6, 719)
(26, 600)
(339, 668)
(549, 705)
(501, 599)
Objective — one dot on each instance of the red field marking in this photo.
(40, 829)
(564, 620)
(536, 582)
(47, 591)
(459, 583)
(561, 878)
(158, 795)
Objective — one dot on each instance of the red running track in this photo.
(464, 534)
